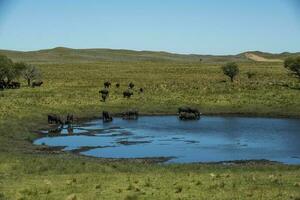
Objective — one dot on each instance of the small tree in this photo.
(6, 66)
(231, 69)
(293, 65)
(31, 73)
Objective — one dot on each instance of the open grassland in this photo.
(28, 173)
(69, 177)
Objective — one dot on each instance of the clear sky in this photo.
(182, 26)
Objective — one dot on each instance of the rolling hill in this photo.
(68, 55)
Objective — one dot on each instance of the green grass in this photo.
(26, 172)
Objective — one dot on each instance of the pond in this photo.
(210, 139)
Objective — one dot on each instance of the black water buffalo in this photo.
(130, 115)
(127, 94)
(131, 85)
(104, 97)
(106, 117)
(56, 130)
(107, 84)
(37, 84)
(70, 119)
(187, 113)
(12, 85)
(2, 86)
(104, 91)
(54, 119)
(104, 94)
(141, 90)
(117, 85)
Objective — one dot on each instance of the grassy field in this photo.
(29, 172)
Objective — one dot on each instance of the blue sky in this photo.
(182, 26)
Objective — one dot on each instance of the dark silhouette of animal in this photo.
(54, 119)
(106, 117)
(107, 84)
(131, 85)
(127, 94)
(56, 130)
(2, 86)
(13, 85)
(130, 115)
(141, 90)
(104, 91)
(117, 85)
(104, 94)
(70, 119)
(187, 113)
(104, 97)
(16, 85)
(70, 129)
(37, 84)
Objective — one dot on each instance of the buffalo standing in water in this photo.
(107, 84)
(70, 119)
(130, 115)
(106, 117)
(187, 113)
(127, 94)
(54, 119)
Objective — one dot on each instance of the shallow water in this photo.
(211, 139)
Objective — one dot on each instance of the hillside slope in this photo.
(67, 55)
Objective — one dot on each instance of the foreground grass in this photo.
(26, 173)
(69, 177)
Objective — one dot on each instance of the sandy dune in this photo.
(254, 57)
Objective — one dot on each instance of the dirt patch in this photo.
(258, 58)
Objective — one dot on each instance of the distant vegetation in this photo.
(293, 65)
(231, 70)
(10, 72)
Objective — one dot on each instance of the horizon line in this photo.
(138, 50)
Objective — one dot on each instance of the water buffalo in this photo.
(117, 85)
(104, 91)
(106, 117)
(13, 85)
(54, 119)
(141, 90)
(70, 119)
(104, 94)
(130, 115)
(127, 94)
(104, 97)
(56, 130)
(107, 84)
(16, 84)
(2, 86)
(37, 84)
(70, 129)
(131, 85)
(187, 113)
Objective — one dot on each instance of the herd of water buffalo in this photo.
(184, 113)
(17, 85)
(126, 94)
